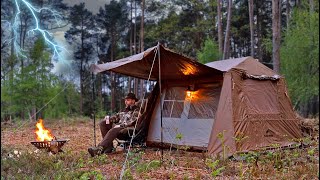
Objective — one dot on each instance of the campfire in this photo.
(45, 139)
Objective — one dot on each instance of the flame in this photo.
(43, 134)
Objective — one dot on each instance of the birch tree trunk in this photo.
(276, 35)
(227, 36)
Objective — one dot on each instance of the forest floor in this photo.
(21, 160)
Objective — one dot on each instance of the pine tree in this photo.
(79, 36)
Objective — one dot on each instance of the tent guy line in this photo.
(135, 126)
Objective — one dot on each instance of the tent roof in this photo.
(248, 64)
(226, 65)
(174, 66)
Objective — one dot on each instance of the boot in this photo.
(93, 151)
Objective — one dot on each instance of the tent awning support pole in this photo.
(93, 111)
(161, 137)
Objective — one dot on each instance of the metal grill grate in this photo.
(53, 146)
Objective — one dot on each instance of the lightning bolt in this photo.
(47, 36)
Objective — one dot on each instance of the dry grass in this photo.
(75, 162)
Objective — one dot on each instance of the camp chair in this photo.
(139, 136)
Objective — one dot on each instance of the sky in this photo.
(91, 5)
(63, 65)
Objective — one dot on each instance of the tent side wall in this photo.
(263, 115)
(223, 122)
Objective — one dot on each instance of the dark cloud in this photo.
(66, 57)
(92, 5)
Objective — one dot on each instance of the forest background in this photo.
(282, 34)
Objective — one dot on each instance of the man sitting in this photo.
(111, 127)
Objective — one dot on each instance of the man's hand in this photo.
(112, 119)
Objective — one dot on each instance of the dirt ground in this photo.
(78, 132)
(81, 136)
(177, 164)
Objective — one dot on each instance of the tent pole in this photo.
(160, 104)
(94, 111)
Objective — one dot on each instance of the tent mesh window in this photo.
(204, 103)
(173, 103)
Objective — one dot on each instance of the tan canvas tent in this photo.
(254, 109)
(237, 97)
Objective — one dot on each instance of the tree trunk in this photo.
(259, 43)
(287, 13)
(113, 97)
(130, 84)
(227, 37)
(311, 3)
(69, 101)
(220, 34)
(142, 43)
(113, 89)
(81, 91)
(136, 82)
(298, 3)
(22, 115)
(131, 53)
(99, 89)
(251, 26)
(34, 114)
(12, 59)
(25, 32)
(142, 27)
(81, 70)
(276, 35)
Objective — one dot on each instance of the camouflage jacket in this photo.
(126, 117)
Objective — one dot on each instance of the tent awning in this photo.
(173, 66)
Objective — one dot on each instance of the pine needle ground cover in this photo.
(21, 160)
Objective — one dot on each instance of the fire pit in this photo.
(53, 146)
(45, 140)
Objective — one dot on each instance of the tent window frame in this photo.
(171, 108)
(173, 101)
